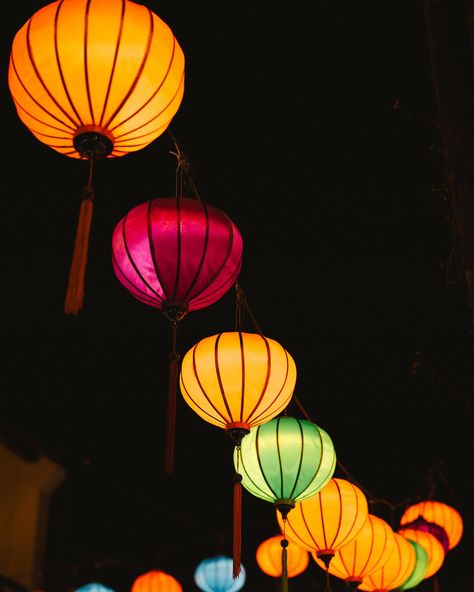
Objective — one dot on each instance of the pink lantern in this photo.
(176, 254)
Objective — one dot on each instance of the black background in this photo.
(313, 126)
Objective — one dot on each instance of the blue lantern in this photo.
(94, 587)
(216, 575)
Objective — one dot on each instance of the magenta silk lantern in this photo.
(176, 254)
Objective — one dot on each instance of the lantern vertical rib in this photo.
(248, 475)
(203, 255)
(265, 384)
(219, 376)
(298, 472)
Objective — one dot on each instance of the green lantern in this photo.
(420, 568)
(285, 460)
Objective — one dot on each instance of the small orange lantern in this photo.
(396, 569)
(437, 513)
(268, 557)
(368, 551)
(156, 581)
(430, 544)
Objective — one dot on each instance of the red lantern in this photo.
(176, 254)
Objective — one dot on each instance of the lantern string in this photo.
(183, 170)
(241, 305)
(284, 560)
(237, 521)
(173, 357)
(75, 290)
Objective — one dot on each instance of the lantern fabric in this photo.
(285, 460)
(395, 571)
(328, 520)
(176, 254)
(419, 571)
(438, 513)
(156, 580)
(215, 575)
(94, 587)
(430, 544)
(236, 380)
(99, 78)
(364, 554)
(268, 557)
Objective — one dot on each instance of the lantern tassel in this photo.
(75, 291)
(284, 565)
(171, 410)
(237, 528)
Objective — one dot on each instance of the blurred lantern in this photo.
(284, 461)
(364, 554)
(93, 587)
(215, 575)
(237, 380)
(419, 571)
(176, 255)
(156, 581)
(396, 569)
(268, 556)
(329, 520)
(423, 515)
(430, 544)
(95, 79)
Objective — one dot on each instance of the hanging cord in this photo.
(173, 357)
(242, 306)
(183, 171)
(237, 520)
(284, 560)
(75, 291)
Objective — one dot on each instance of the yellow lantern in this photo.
(268, 556)
(96, 78)
(395, 570)
(368, 551)
(430, 544)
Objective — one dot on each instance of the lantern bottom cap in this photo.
(93, 142)
(284, 506)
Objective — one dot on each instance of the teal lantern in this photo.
(216, 575)
(94, 587)
(419, 571)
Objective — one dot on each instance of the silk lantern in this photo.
(94, 79)
(328, 520)
(268, 557)
(177, 255)
(430, 544)
(284, 461)
(419, 571)
(156, 580)
(94, 587)
(364, 554)
(215, 575)
(236, 380)
(396, 569)
(431, 512)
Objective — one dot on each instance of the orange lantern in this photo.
(94, 79)
(436, 513)
(328, 520)
(430, 544)
(268, 556)
(395, 570)
(156, 581)
(368, 551)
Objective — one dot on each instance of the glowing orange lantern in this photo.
(396, 569)
(368, 551)
(437, 513)
(268, 556)
(94, 79)
(430, 544)
(328, 520)
(156, 581)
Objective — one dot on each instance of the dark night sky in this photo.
(314, 129)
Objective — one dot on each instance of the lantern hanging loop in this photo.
(242, 306)
(183, 170)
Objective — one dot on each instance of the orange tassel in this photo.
(75, 290)
(284, 566)
(237, 530)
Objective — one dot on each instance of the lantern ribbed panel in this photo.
(268, 557)
(419, 571)
(176, 251)
(215, 575)
(430, 544)
(107, 66)
(156, 581)
(328, 520)
(364, 554)
(237, 378)
(395, 571)
(285, 459)
(438, 513)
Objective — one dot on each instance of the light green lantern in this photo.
(421, 565)
(285, 460)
